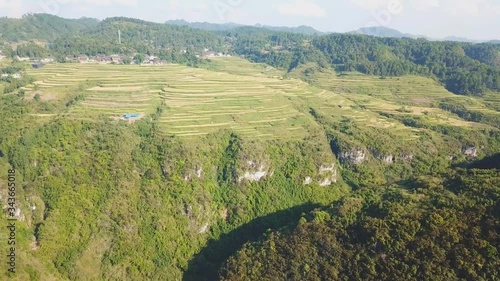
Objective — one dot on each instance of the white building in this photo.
(47, 60)
(22, 59)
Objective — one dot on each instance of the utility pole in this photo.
(119, 37)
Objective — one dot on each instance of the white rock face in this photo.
(199, 172)
(257, 176)
(308, 181)
(389, 159)
(355, 156)
(331, 174)
(407, 157)
(255, 173)
(470, 151)
(204, 228)
(326, 182)
(324, 169)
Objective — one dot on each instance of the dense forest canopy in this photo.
(43, 27)
(435, 231)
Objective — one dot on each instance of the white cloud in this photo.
(100, 2)
(11, 8)
(371, 4)
(425, 4)
(174, 4)
(451, 7)
(304, 8)
(464, 7)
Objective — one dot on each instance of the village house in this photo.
(209, 54)
(22, 59)
(47, 60)
(103, 59)
(16, 76)
(116, 59)
(99, 58)
(83, 59)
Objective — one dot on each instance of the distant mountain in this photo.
(461, 39)
(205, 25)
(303, 29)
(307, 30)
(380, 31)
(41, 27)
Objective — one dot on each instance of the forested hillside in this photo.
(137, 37)
(463, 68)
(43, 27)
(306, 30)
(438, 229)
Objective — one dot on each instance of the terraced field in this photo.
(251, 99)
(196, 101)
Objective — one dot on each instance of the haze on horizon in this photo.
(473, 19)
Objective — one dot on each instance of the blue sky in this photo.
(475, 19)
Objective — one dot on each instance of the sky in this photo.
(473, 19)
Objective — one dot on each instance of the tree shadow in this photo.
(206, 264)
(490, 162)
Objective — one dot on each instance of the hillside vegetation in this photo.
(441, 229)
(287, 164)
(43, 27)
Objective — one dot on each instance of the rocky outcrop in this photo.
(328, 174)
(389, 159)
(196, 172)
(326, 182)
(470, 151)
(204, 228)
(355, 156)
(329, 169)
(407, 157)
(386, 158)
(255, 171)
(308, 181)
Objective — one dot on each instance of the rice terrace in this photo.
(197, 101)
(234, 96)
